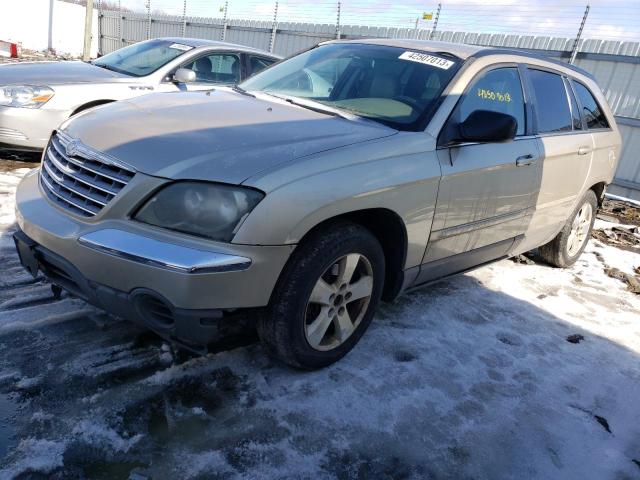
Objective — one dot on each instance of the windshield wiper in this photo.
(315, 106)
(242, 91)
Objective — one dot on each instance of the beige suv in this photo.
(338, 177)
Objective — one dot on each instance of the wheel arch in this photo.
(390, 230)
(599, 189)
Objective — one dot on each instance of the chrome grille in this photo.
(83, 181)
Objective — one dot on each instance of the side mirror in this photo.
(487, 126)
(184, 75)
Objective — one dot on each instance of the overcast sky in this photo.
(609, 19)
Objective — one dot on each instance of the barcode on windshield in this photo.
(432, 60)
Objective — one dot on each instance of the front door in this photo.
(487, 190)
(212, 69)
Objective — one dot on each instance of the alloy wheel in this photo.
(338, 302)
(579, 230)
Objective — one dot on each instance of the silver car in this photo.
(36, 97)
(341, 176)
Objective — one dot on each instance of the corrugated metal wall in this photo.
(616, 65)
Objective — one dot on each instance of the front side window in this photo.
(498, 90)
(216, 68)
(552, 104)
(390, 85)
(142, 58)
(592, 112)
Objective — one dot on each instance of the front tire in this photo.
(565, 249)
(326, 297)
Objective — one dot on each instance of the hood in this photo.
(54, 73)
(219, 135)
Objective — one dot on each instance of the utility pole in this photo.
(88, 19)
(576, 43)
(50, 36)
(435, 22)
(416, 29)
(338, 33)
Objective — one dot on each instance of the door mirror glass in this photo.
(487, 126)
(184, 75)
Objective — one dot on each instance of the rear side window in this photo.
(259, 63)
(497, 90)
(552, 104)
(592, 112)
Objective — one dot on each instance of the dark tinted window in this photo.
(497, 90)
(575, 110)
(552, 105)
(590, 108)
(259, 63)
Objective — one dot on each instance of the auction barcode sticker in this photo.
(427, 59)
(180, 46)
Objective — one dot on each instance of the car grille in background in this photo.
(81, 183)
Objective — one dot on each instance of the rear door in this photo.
(566, 147)
(256, 63)
(487, 189)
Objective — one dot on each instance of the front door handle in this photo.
(525, 160)
(584, 150)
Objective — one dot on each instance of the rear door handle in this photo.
(525, 160)
(584, 150)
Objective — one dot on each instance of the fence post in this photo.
(274, 29)
(88, 27)
(148, 19)
(120, 19)
(435, 22)
(224, 22)
(576, 43)
(338, 34)
(99, 28)
(184, 18)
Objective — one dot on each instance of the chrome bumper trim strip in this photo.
(149, 251)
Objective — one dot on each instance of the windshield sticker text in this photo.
(432, 60)
(496, 96)
(179, 46)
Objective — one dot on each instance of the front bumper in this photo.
(128, 268)
(28, 128)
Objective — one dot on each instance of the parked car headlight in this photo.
(27, 96)
(208, 210)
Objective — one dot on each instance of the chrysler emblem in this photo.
(72, 148)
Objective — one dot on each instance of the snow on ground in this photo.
(469, 378)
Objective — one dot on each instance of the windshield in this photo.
(142, 58)
(394, 86)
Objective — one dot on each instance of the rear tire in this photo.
(325, 298)
(565, 249)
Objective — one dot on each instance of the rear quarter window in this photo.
(593, 114)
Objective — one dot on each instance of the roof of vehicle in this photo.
(201, 42)
(462, 51)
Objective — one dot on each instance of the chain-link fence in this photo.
(602, 41)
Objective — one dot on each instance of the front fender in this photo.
(405, 182)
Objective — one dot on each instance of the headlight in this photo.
(27, 96)
(205, 209)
